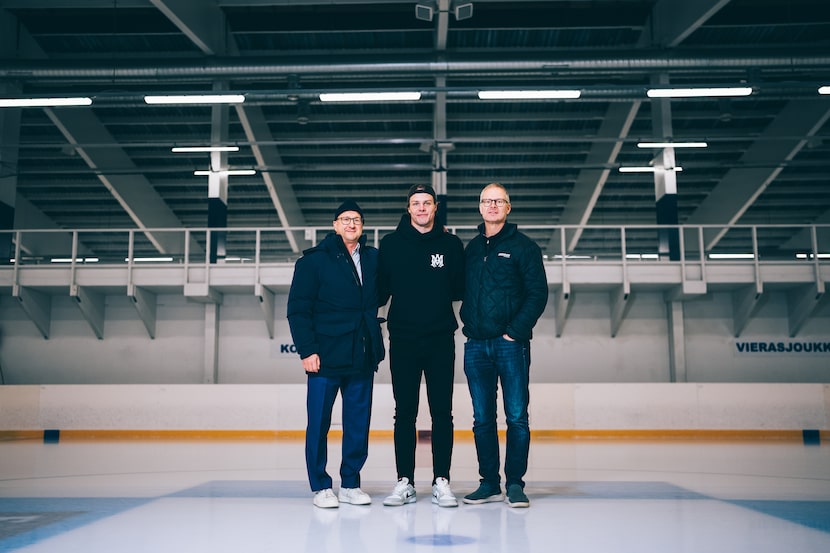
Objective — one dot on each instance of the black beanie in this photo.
(348, 205)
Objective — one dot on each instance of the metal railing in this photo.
(752, 244)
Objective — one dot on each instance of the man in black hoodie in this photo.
(421, 267)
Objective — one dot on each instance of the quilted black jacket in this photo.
(506, 287)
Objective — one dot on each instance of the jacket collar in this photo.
(506, 230)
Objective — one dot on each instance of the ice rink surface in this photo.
(212, 496)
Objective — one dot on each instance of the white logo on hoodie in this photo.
(437, 260)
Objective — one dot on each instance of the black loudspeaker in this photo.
(463, 11)
(423, 12)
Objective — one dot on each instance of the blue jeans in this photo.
(486, 364)
(356, 396)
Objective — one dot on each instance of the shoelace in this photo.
(401, 487)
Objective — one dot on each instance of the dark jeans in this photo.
(486, 364)
(356, 396)
(434, 357)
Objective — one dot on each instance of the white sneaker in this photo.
(355, 496)
(403, 493)
(325, 499)
(442, 494)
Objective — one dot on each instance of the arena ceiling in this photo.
(110, 165)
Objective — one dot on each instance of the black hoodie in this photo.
(423, 274)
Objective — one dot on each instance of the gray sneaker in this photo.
(403, 493)
(486, 493)
(516, 496)
(442, 493)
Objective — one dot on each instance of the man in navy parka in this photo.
(332, 314)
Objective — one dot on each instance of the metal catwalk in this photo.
(252, 496)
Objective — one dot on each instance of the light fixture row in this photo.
(210, 99)
(562, 94)
(229, 172)
(197, 149)
(200, 149)
(247, 172)
(717, 92)
(648, 169)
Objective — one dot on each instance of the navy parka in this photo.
(331, 313)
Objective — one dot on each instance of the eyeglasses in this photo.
(347, 220)
(487, 202)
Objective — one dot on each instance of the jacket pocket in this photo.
(336, 342)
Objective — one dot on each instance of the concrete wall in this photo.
(181, 352)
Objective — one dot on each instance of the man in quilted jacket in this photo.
(506, 292)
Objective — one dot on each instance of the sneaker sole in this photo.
(491, 499)
(369, 502)
(445, 503)
(410, 499)
(518, 504)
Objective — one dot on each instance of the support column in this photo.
(9, 151)
(440, 144)
(665, 192)
(439, 180)
(677, 341)
(9, 140)
(218, 185)
(217, 218)
(665, 178)
(211, 374)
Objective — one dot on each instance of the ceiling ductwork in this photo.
(31, 70)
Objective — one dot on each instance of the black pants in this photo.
(434, 357)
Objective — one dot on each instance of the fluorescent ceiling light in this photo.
(188, 149)
(528, 94)
(369, 96)
(646, 169)
(698, 92)
(824, 90)
(731, 256)
(672, 145)
(77, 260)
(150, 259)
(43, 102)
(231, 172)
(196, 99)
(812, 256)
(642, 256)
